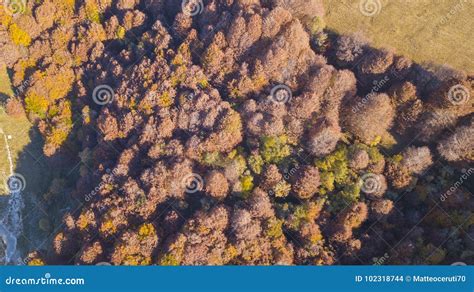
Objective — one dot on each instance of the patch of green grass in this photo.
(429, 32)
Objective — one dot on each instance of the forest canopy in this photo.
(240, 132)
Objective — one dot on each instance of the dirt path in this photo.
(11, 224)
(9, 154)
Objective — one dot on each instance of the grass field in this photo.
(17, 131)
(26, 146)
(5, 87)
(435, 32)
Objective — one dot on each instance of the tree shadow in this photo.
(48, 193)
(52, 183)
(3, 98)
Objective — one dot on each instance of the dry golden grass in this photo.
(436, 32)
(5, 87)
(17, 131)
(18, 136)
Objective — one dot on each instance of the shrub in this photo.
(14, 108)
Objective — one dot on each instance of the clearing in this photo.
(431, 32)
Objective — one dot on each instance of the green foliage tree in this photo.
(275, 149)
